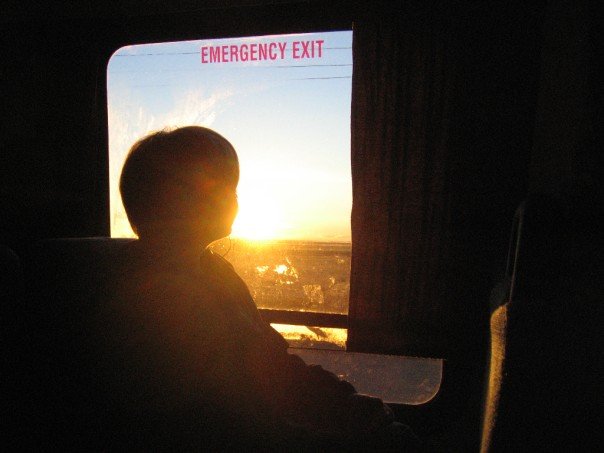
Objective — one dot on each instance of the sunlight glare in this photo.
(324, 334)
(258, 217)
(280, 269)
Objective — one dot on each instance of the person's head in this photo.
(181, 183)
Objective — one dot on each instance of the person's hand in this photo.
(368, 414)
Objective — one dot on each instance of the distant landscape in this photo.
(293, 275)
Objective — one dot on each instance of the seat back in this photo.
(64, 280)
(540, 381)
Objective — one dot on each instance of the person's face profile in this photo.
(221, 209)
(229, 206)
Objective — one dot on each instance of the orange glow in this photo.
(258, 217)
(295, 333)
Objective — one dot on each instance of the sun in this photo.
(259, 216)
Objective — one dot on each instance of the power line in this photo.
(286, 80)
(323, 78)
(240, 67)
(197, 52)
(153, 54)
(308, 65)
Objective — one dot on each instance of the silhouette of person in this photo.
(187, 338)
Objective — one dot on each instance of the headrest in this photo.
(71, 268)
(72, 253)
(77, 248)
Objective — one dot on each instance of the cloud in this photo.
(129, 122)
(195, 109)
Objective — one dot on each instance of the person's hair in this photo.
(169, 174)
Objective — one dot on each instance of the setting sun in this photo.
(288, 120)
(258, 216)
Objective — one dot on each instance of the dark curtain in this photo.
(402, 85)
(442, 110)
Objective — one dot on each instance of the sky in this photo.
(287, 113)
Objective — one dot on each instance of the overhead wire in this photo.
(197, 52)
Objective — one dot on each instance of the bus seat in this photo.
(62, 278)
(539, 384)
(74, 410)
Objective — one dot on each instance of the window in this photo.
(284, 103)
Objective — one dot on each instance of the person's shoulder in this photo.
(212, 260)
(155, 278)
(211, 255)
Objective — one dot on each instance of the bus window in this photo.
(284, 103)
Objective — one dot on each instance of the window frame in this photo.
(285, 19)
(272, 316)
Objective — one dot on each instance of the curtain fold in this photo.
(443, 105)
(402, 87)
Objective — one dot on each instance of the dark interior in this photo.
(461, 113)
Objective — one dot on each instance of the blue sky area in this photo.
(289, 120)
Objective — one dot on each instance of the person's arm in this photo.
(306, 394)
